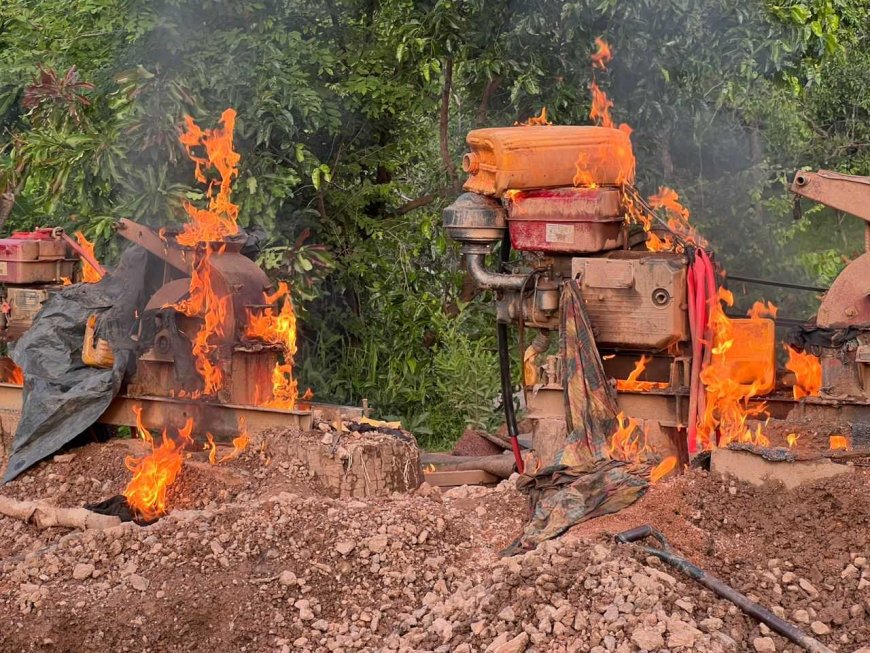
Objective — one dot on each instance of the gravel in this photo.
(253, 559)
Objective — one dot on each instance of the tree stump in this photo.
(352, 465)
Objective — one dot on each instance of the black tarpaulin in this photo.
(62, 396)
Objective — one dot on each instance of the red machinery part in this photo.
(565, 220)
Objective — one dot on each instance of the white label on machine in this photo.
(560, 233)
(3, 271)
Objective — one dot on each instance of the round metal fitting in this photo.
(474, 218)
(661, 297)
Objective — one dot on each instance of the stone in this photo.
(507, 614)
(850, 571)
(647, 638)
(287, 578)
(83, 570)
(681, 634)
(344, 547)
(801, 616)
(711, 624)
(820, 628)
(139, 583)
(808, 587)
(611, 614)
(378, 543)
(516, 645)
(764, 645)
(856, 611)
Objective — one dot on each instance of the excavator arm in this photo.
(846, 303)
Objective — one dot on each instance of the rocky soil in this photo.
(253, 559)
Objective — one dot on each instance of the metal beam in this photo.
(221, 420)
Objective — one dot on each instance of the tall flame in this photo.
(219, 220)
(729, 389)
(280, 329)
(204, 302)
(588, 163)
(156, 471)
(89, 273)
(807, 373)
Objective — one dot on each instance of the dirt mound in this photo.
(253, 558)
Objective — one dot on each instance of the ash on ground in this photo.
(254, 558)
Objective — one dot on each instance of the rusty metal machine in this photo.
(559, 196)
(167, 368)
(522, 192)
(841, 329)
(32, 263)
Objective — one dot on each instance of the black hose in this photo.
(504, 361)
(720, 588)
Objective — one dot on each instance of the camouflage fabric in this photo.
(583, 482)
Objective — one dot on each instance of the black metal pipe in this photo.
(776, 284)
(504, 363)
(720, 588)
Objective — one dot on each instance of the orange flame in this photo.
(602, 55)
(219, 220)
(204, 302)
(66, 281)
(628, 443)
(807, 371)
(156, 471)
(664, 468)
(89, 273)
(536, 121)
(587, 165)
(736, 373)
(632, 384)
(838, 442)
(792, 440)
(601, 106)
(279, 329)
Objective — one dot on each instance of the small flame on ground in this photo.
(792, 440)
(631, 383)
(66, 281)
(156, 471)
(836, 442)
(664, 468)
(89, 273)
(240, 443)
(428, 469)
(807, 371)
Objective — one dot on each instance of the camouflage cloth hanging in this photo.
(583, 482)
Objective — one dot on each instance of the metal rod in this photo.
(777, 284)
(762, 614)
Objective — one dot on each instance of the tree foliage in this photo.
(352, 117)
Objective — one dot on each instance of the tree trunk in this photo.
(444, 125)
(483, 108)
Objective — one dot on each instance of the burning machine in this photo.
(556, 194)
